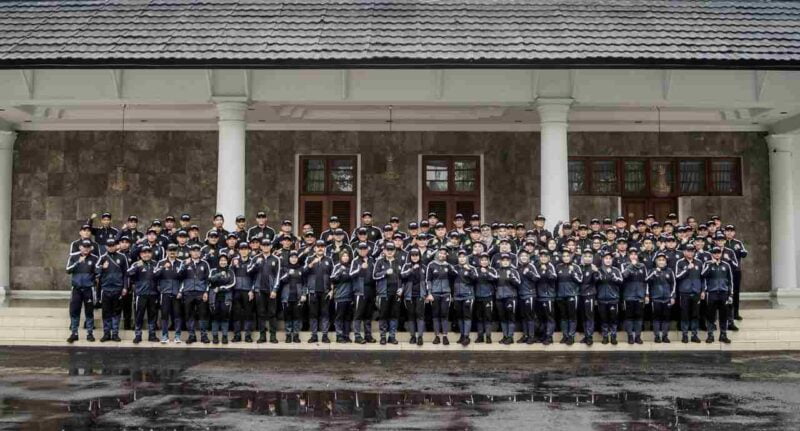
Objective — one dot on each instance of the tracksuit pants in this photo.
(528, 310)
(634, 310)
(661, 317)
(440, 311)
(292, 317)
(112, 310)
(609, 315)
(690, 312)
(171, 309)
(363, 309)
(81, 297)
(589, 305)
(483, 314)
(220, 305)
(196, 312)
(266, 312)
(715, 304)
(415, 314)
(343, 317)
(388, 314)
(568, 313)
(506, 313)
(463, 312)
(319, 310)
(145, 304)
(242, 312)
(546, 316)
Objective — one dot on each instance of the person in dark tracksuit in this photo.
(112, 270)
(388, 292)
(318, 293)
(266, 270)
(243, 294)
(634, 288)
(588, 295)
(570, 277)
(342, 296)
(438, 283)
(464, 295)
(608, 282)
(484, 299)
(741, 252)
(717, 293)
(415, 295)
(124, 248)
(529, 276)
(143, 279)
(169, 285)
(362, 269)
(103, 233)
(690, 284)
(82, 269)
(291, 292)
(508, 282)
(545, 296)
(194, 292)
(220, 299)
(661, 294)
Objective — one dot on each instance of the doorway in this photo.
(634, 209)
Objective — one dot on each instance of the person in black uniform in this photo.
(588, 295)
(131, 230)
(739, 249)
(82, 267)
(362, 269)
(103, 233)
(169, 285)
(220, 283)
(243, 294)
(527, 296)
(438, 278)
(373, 233)
(608, 282)
(342, 281)
(143, 278)
(388, 292)
(690, 284)
(261, 229)
(661, 294)
(415, 295)
(291, 291)
(112, 269)
(318, 292)
(266, 270)
(717, 293)
(634, 288)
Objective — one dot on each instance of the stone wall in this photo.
(62, 177)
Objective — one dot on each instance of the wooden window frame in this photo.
(451, 181)
(737, 189)
(328, 163)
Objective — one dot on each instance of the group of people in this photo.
(601, 275)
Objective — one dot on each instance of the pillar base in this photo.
(784, 292)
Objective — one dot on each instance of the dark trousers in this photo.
(344, 316)
(127, 310)
(145, 304)
(609, 315)
(266, 312)
(319, 310)
(242, 312)
(588, 305)
(528, 309)
(546, 316)
(415, 315)
(195, 310)
(463, 312)
(81, 297)
(388, 313)
(737, 287)
(171, 309)
(292, 317)
(634, 311)
(568, 312)
(220, 305)
(661, 317)
(363, 306)
(715, 303)
(484, 307)
(440, 311)
(506, 313)
(112, 310)
(690, 312)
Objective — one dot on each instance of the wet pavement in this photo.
(54, 389)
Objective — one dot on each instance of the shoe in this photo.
(262, 338)
(563, 340)
(347, 339)
(531, 340)
(360, 340)
(237, 338)
(589, 341)
(164, 339)
(339, 339)
(137, 339)
(325, 338)
(313, 339)
(273, 339)
(215, 339)
(436, 340)
(152, 338)
(733, 327)
(605, 339)
(685, 339)
(383, 340)
(224, 339)
(465, 341)
(739, 318)
(630, 339)
(695, 339)
(419, 340)
(248, 338)
(392, 340)
(370, 339)
(570, 341)
(665, 339)
(295, 338)
(116, 338)
(204, 339)
(614, 340)
(547, 341)
(522, 339)
(72, 338)
(89, 337)
(445, 341)
(105, 338)
(479, 338)
(638, 339)
(412, 340)
(288, 339)
(177, 340)
(657, 339)
(724, 339)
(191, 339)
(710, 339)
(488, 338)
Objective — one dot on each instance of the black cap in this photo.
(633, 250)
(620, 218)
(603, 254)
(106, 215)
(505, 256)
(169, 218)
(689, 247)
(432, 214)
(219, 215)
(287, 223)
(439, 225)
(387, 228)
(86, 243)
(660, 255)
(650, 216)
(195, 247)
(606, 220)
(719, 236)
(261, 214)
(389, 246)
(182, 233)
(194, 227)
(715, 217)
(716, 250)
(240, 218)
(588, 250)
(484, 255)
(153, 231)
(289, 238)
(319, 242)
(413, 225)
(85, 226)
(424, 223)
(459, 216)
(133, 218)
(186, 217)
(475, 217)
(505, 240)
(146, 249)
(398, 235)
(124, 238)
(156, 222)
(172, 247)
(362, 245)
(414, 252)
(730, 227)
(338, 232)
(231, 235)
(540, 217)
(594, 221)
(213, 233)
(702, 226)
(294, 253)
(394, 219)
(522, 226)
(111, 241)
(332, 219)
(454, 234)
(366, 214)
(243, 244)
(672, 215)
(266, 241)
(361, 231)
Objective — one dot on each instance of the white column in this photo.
(782, 213)
(7, 139)
(231, 161)
(554, 167)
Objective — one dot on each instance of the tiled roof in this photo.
(398, 32)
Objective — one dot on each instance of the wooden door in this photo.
(637, 208)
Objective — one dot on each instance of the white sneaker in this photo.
(164, 339)
(178, 340)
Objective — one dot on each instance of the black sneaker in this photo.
(733, 327)
(547, 341)
(325, 338)
(523, 339)
(215, 339)
(436, 340)
(296, 338)
(685, 339)
(392, 340)
(72, 338)
(563, 340)
(630, 339)
(488, 338)
(710, 339)
(288, 339)
(248, 338)
(383, 340)
(605, 339)
(116, 338)
(638, 339)
(665, 339)
(412, 340)
(479, 338)
(419, 341)
(224, 339)
(695, 339)
(445, 341)
(589, 341)
(724, 339)
(570, 341)
(360, 340)
(152, 338)
(614, 340)
(237, 338)
(531, 340)
(191, 339)
(339, 339)
(657, 339)
(204, 339)
(138, 339)
(90, 337)
(739, 318)
(262, 338)
(105, 338)
(313, 339)
(347, 339)
(273, 338)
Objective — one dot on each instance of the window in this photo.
(662, 178)
(604, 177)
(635, 174)
(451, 185)
(692, 178)
(577, 177)
(328, 189)
(725, 177)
